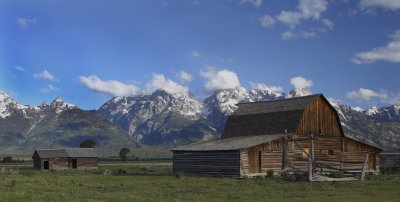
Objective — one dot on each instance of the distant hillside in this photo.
(58, 124)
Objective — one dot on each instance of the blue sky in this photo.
(88, 51)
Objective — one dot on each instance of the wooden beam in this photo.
(310, 170)
(312, 151)
(364, 167)
(284, 153)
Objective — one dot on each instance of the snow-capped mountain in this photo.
(379, 126)
(57, 124)
(160, 118)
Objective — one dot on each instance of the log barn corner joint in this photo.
(298, 134)
(62, 159)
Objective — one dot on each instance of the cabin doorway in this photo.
(45, 165)
(255, 161)
(74, 164)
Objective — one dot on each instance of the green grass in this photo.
(153, 182)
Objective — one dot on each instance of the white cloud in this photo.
(301, 34)
(288, 35)
(306, 10)
(289, 18)
(267, 21)
(328, 23)
(389, 53)
(45, 75)
(264, 87)
(222, 79)
(256, 3)
(50, 88)
(110, 87)
(185, 76)
(387, 4)
(366, 94)
(301, 82)
(196, 54)
(312, 8)
(160, 82)
(19, 68)
(25, 22)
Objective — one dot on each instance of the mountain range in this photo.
(164, 119)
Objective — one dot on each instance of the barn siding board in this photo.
(217, 163)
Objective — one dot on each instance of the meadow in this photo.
(152, 181)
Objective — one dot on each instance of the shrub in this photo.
(270, 173)
(337, 174)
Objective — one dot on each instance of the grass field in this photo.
(154, 182)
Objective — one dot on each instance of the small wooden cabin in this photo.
(62, 159)
(277, 135)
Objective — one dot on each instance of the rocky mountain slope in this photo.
(58, 124)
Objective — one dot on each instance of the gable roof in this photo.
(227, 144)
(282, 116)
(66, 152)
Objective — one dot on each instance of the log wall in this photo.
(86, 163)
(208, 163)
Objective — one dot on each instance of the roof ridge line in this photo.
(284, 99)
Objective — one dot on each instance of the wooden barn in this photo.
(68, 158)
(297, 134)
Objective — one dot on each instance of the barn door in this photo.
(255, 161)
(45, 165)
(74, 163)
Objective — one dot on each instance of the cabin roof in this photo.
(267, 117)
(226, 144)
(67, 152)
(282, 105)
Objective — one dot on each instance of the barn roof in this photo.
(225, 144)
(66, 152)
(281, 115)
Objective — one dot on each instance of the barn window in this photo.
(330, 152)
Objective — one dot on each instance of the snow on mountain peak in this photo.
(357, 109)
(372, 111)
(5, 102)
(298, 92)
(60, 105)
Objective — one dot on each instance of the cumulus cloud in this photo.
(49, 88)
(45, 75)
(383, 95)
(196, 54)
(387, 4)
(185, 76)
(267, 21)
(366, 94)
(25, 22)
(264, 87)
(301, 82)
(160, 82)
(256, 3)
(222, 79)
(389, 53)
(109, 87)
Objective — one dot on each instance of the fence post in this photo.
(284, 153)
(364, 167)
(310, 173)
(312, 152)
